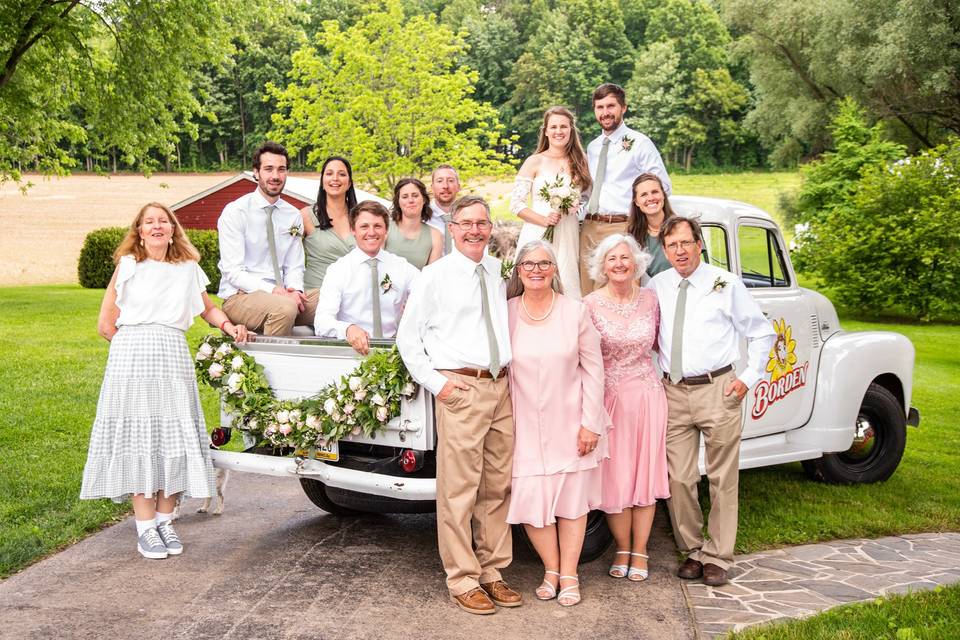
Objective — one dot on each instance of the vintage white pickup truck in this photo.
(837, 401)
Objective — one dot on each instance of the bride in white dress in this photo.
(558, 152)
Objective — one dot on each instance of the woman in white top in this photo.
(149, 441)
(559, 152)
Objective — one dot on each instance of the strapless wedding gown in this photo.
(566, 235)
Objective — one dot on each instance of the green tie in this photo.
(272, 241)
(375, 292)
(676, 349)
(593, 205)
(447, 240)
(488, 320)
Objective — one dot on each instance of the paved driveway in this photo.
(275, 566)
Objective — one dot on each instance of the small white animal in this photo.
(222, 476)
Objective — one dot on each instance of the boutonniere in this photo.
(626, 142)
(719, 284)
(295, 231)
(506, 269)
(386, 284)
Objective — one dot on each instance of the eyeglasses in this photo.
(673, 247)
(466, 225)
(543, 265)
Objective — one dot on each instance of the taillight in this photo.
(220, 436)
(411, 461)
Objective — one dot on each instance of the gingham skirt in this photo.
(149, 434)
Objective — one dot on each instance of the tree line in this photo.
(400, 85)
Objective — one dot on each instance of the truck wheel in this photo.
(595, 542)
(317, 492)
(878, 444)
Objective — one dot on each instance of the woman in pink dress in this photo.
(556, 384)
(635, 476)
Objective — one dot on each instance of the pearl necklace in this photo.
(523, 304)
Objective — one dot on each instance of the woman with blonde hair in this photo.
(559, 159)
(149, 441)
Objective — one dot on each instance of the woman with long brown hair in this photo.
(649, 209)
(559, 160)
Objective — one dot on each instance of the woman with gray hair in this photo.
(556, 386)
(635, 476)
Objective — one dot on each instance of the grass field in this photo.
(51, 365)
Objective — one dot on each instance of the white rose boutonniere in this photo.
(626, 143)
(386, 284)
(295, 230)
(506, 269)
(719, 284)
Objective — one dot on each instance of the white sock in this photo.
(164, 517)
(143, 525)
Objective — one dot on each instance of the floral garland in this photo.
(363, 401)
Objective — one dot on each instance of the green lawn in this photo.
(930, 615)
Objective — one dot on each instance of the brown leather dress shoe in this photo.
(690, 570)
(503, 595)
(475, 601)
(714, 576)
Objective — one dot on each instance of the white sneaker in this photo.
(170, 538)
(150, 545)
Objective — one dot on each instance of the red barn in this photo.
(202, 210)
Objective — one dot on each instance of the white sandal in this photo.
(633, 572)
(546, 591)
(567, 597)
(619, 570)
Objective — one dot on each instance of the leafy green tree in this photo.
(601, 21)
(113, 76)
(388, 93)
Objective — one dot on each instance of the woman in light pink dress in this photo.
(635, 476)
(556, 384)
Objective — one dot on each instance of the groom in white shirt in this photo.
(616, 158)
(705, 312)
(261, 253)
(363, 292)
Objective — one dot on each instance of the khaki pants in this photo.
(474, 470)
(591, 234)
(270, 314)
(693, 410)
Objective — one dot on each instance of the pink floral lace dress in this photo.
(636, 472)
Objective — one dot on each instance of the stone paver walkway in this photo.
(801, 581)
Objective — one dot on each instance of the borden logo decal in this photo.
(785, 376)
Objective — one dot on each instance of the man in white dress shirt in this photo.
(445, 185)
(261, 253)
(454, 340)
(705, 312)
(615, 158)
(363, 292)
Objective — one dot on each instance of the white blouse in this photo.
(167, 293)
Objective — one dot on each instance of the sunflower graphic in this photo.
(782, 356)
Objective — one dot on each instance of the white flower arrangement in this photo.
(561, 194)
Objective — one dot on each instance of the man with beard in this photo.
(616, 158)
(261, 253)
(445, 185)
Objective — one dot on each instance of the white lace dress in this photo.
(566, 236)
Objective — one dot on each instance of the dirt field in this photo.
(44, 229)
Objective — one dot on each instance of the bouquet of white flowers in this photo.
(562, 196)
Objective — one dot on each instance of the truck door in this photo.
(783, 399)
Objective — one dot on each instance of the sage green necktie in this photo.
(375, 293)
(593, 205)
(272, 241)
(676, 348)
(447, 239)
(488, 320)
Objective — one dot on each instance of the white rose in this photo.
(355, 383)
(234, 382)
(283, 416)
(330, 405)
(337, 417)
(224, 348)
(215, 370)
(382, 414)
(252, 424)
(408, 389)
(313, 421)
(272, 429)
(200, 356)
(563, 192)
(349, 409)
(378, 400)
(295, 415)
(206, 349)
(285, 429)
(360, 394)
(237, 362)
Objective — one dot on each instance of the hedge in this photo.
(95, 266)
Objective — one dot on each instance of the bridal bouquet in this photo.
(562, 196)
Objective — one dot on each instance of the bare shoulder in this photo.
(531, 165)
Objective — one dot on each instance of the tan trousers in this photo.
(592, 232)
(474, 469)
(693, 410)
(270, 314)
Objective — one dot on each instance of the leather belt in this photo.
(600, 217)
(705, 378)
(477, 373)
